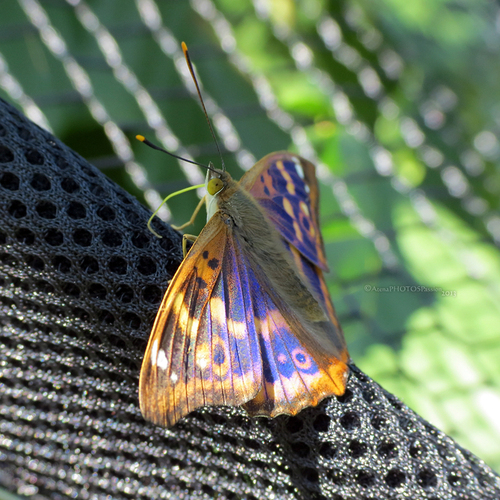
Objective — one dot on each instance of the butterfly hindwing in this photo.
(285, 186)
(293, 378)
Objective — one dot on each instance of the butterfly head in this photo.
(216, 181)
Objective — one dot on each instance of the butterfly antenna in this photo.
(191, 70)
(154, 146)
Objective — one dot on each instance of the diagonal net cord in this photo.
(81, 282)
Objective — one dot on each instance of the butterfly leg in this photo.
(185, 239)
(193, 217)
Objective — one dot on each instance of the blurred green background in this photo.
(398, 103)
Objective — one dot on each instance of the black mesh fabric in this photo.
(81, 281)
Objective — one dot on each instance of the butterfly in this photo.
(247, 319)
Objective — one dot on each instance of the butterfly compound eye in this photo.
(214, 186)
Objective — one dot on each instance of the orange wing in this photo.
(222, 337)
(192, 359)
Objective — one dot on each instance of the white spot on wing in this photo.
(298, 167)
(307, 188)
(162, 360)
(174, 378)
(154, 352)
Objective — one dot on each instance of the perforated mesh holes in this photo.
(81, 280)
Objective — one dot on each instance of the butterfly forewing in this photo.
(202, 349)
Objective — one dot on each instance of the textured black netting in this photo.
(81, 280)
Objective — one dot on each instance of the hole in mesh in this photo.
(3, 131)
(44, 286)
(294, 424)
(387, 450)
(123, 198)
(23, 132)
(322, 423)
(427, 478)
(252, 444)
(350, 421)
(8, 260)
(140, 240)
(3, 238)
(146, 266)
(71, 289)
(25, 236)
(357, 449)
(9, 181)
(418, 449)
(17, 209)
(82, 237)
(486, 480)
(152, 294)
(208, 490)
(346, 397)
(300, 448)
(6, 155)
(89, 265)
(61, 264)
(133, 218)
(34, 157)
(369, 395)
(8, 302)
(62, 163)
(456, 479)
(76, 210)
(46, 209)
(106, 213)
(327, 451)
(80, 313)
(97, 190)
(54, 237)
(40, 182)
(396, 403)
(117, 265)
(408, 425)
(111, 238)
(97, 291)
(171, 266)
(106, 317)
(87, 170)
(70, 185)
(124, 294)
(379, 422)
(35, 262)
(365, 478)
(310, 474)
(445, 452)
(132, 320)
(395, 478)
